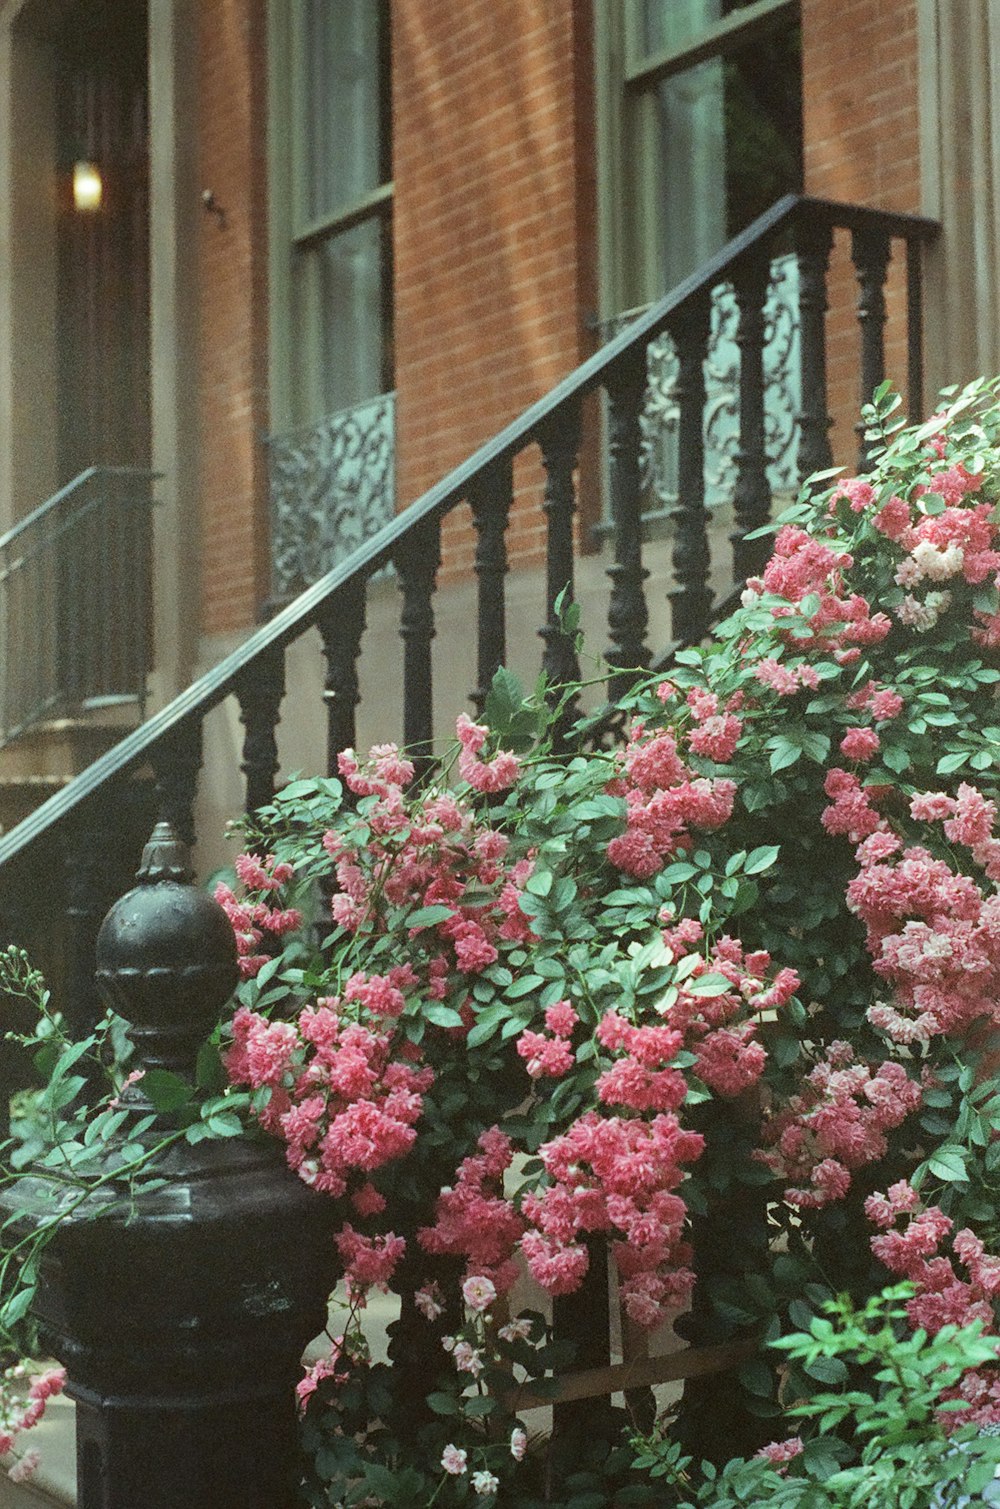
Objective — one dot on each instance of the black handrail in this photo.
(812, 219)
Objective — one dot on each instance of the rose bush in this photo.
(718, 999)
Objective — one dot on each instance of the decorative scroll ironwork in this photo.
(660, 416)
(333, 485)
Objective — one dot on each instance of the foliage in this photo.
(896, 1388)
(738, 975)
(721, 1001)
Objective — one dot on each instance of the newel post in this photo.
(181, 1320)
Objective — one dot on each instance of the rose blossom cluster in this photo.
(615, 1176)
(474, 1220)
(942, 536)
(836, 1125)
(912, 1250)
(664, 797)
(339, 1099)
(932, 934)
(18, 1414)
(417, 851)
(613, 1172)
(488, 776)
(256, 916)
(803, 567)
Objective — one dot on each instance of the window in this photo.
(701, 130)
(331, 450)
(331, 188)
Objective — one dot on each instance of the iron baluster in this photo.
(88, 891)
(692, 598)
(628, 615)
(259, 696)
(176, 761)
(341, 624)
(559, 441)
(752, 495)
(870, 254)
(813, 245)
(490, 501)
(183, 1375)
(417, 561)
(584, 1319)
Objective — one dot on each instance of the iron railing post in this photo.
(181, 1312)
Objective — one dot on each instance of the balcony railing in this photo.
(75, 600)
(333, 485)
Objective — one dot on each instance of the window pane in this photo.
(343, 100)
(728, 143)
(666, 24)
(341, 309)
(692, 155)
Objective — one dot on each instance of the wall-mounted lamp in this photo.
(88, 186)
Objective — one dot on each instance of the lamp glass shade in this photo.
(88, 186)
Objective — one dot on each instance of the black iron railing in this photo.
(75, 600)
(73, 826)
(333, 485)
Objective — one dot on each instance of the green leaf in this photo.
(444, 1404)
(478, 1406)
(897, 759)
(761, 859)
(17, 1306)
(783, 755)
(709, 985)
(523, 987)
(166, 1090)
(827, 1369)
(948, 1164)
(633, 896)
(563, 893)
(225, 1124)
(949, 763)
(815, 745)
(427, 916)
(209, 1071)
(440, 1015)
(504, 698)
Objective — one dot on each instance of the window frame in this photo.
(296, 376)
(630, 218)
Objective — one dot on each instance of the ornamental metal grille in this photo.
(660, 414)
(333, 485)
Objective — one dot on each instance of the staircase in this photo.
(74, 632)
(64, 862)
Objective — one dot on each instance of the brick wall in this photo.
(233, 313)
(494, 230)
(494, 239)
(859, 65)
